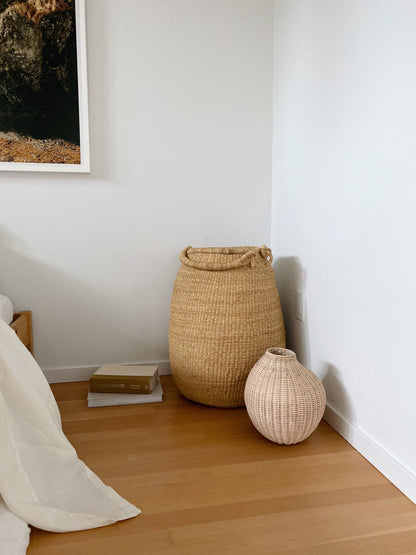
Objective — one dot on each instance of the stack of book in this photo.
(124, 385)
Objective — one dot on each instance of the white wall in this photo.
(181, 128)
(344, 201)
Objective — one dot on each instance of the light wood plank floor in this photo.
(208, 483)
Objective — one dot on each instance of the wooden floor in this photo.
(207, 483)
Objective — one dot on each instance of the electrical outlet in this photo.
(300, 305)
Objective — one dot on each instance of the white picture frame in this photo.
(84, 165)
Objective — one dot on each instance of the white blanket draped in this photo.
(42, 481)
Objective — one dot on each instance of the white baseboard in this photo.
(83, 373)
(386, 463)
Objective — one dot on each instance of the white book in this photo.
(115, 399)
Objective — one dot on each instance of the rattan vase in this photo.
(285, 400)
(225, 311)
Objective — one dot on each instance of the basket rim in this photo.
(281, 352)
(247, 255)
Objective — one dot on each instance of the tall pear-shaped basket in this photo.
(225, 312)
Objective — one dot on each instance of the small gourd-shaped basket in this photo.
(285, 400)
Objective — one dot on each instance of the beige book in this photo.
(118, 378)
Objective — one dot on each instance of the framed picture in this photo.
(43, 86)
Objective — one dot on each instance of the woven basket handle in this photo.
(247, 257)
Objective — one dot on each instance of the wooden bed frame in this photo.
(22, 325)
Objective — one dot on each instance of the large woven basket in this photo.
(225, 312)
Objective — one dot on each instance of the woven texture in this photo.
(225, 311)
(284, 400)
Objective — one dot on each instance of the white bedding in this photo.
(6, 309)
(14, 532)
(42, 481)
